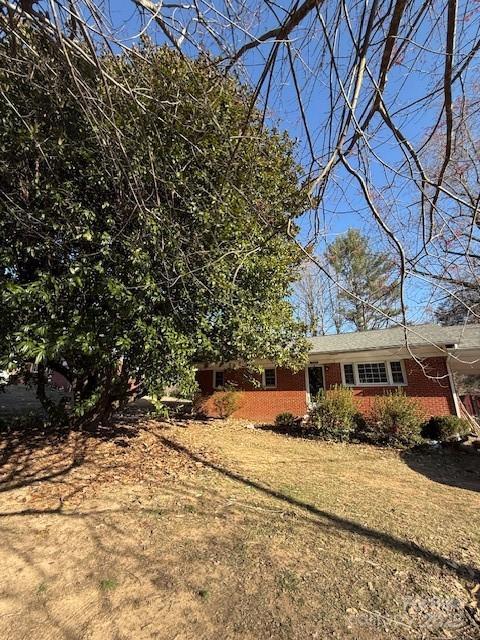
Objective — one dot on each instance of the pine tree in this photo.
(370, 279)
(463, 308)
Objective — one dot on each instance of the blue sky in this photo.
(343, 205)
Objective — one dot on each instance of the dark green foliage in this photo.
(370, 276)
(286, 421)
(394, 420)
(445, 428)
(361, 427)
(226, 402)
(333, 415)
(137, 235)
(458, 308)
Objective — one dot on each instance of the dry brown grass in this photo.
(216, 530)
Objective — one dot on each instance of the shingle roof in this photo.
(465, 336)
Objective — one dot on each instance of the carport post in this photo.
(453, 389)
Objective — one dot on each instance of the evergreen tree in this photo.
(137, 236)
(463, 308)
(370, 279)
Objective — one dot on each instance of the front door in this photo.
(315, 381)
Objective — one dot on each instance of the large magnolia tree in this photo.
(134, 238)
(382, 96)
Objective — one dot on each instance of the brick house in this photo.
(371, 363)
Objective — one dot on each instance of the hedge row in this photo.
(394, 420)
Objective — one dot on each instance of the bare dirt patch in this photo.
(216, 530)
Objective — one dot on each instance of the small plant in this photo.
(204, 594)
(445, 428)
(108, 584)
(286, 421)
(190, 508)
(395, 420)
(160, 410)
(226, 402)
(42, 587)
(333, 414)
(287, 580)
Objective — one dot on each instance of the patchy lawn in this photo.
(217, 530)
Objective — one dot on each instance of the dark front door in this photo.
(315, 381)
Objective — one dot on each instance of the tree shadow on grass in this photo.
(397, 544)
(446, 465)
(32, 452)
(111, 539)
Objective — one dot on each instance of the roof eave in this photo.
(438, 347)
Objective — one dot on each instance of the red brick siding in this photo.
(435, 396)
(257, 403)
(290, 395)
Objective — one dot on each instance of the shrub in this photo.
(445, 428)
(160, 410)
(361, 426)
(226, 402)
(333, 415)
(395, 419)
(199, 405)
(286, 421)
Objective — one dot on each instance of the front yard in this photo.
(217, 530)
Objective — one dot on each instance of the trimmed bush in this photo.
(286, 421)
(333, 415)
(394, 420)
(445, 428)
(226, 402)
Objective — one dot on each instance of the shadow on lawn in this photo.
(446, 466)
(29, 456)
(408, 548)
(32, 452)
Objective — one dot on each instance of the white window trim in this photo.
(214, 375)
(390, 382)
(307, 381)
(264, 384)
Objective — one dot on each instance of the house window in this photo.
(270, 378)
(397, 373)
(218, 379)
(348, 374)
(372, 373)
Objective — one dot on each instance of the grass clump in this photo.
(108, 584)
(287, 580)
(190, 508)
(42, 587)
